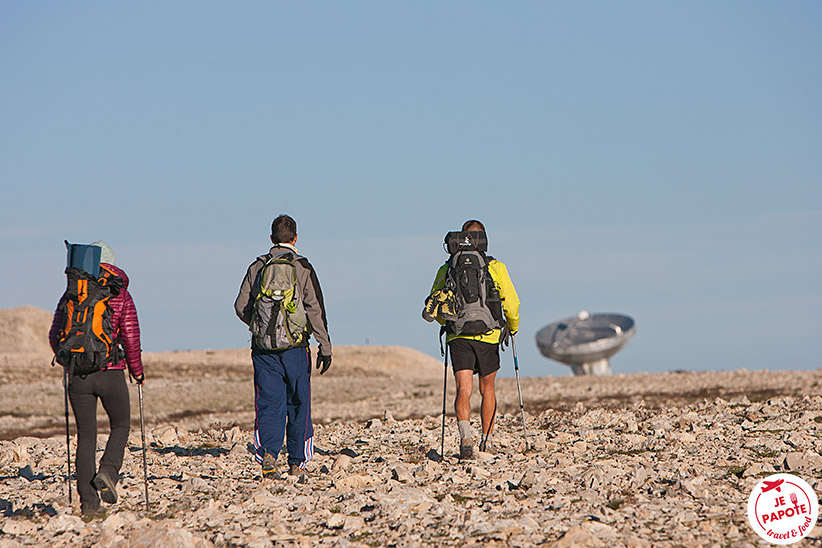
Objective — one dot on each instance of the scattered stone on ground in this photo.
(589, 476)
(642, 460)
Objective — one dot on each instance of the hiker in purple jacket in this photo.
(109, 386)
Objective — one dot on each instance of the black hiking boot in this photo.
(105, 487)
(92, 511)
(270, 467)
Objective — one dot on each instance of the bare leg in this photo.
(465, 384)
(462, 406)
(489, 402)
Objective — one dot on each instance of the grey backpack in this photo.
(278, 321)
(478, 303)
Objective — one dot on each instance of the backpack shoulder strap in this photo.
(488, 260)
(285, 251)
(108, 278)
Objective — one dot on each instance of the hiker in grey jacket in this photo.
(282, 385)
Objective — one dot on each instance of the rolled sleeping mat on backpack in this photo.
(85, 257)
(470, 240)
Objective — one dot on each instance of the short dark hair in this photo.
(283, 229)
(472, 224)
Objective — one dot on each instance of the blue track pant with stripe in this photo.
(282, 404)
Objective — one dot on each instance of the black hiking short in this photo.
(480, 357)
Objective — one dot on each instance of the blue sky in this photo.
(657, 159)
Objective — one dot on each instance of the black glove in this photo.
(505, 337)
(140, 379)
(323, 363)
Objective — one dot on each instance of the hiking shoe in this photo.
(295, 470)
(429, 313)
(448, 306)
(270, 468)
(487, 447)
(105, 487)
(92, 512)
(466, 451)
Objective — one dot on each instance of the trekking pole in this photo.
(444, 352)
(519, 390)
(486, 435)
(444, 387)
(68, 437)
(143, 436)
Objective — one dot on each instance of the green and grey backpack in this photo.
(278, 320)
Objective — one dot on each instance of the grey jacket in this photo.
(307, 283)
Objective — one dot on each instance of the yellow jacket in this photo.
(510, 300)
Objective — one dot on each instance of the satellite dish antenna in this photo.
(586, 341)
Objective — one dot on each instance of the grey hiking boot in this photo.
(487, 447)
(466, 449)
(270, 467)
(295, 470)
(105, 487)
(466, 440)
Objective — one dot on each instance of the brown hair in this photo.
(472, 224)
(283, 229)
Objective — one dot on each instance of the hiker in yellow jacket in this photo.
(478, 353)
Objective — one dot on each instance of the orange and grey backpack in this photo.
(87, 342)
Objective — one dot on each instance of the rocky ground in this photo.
(634, 460)
(643, 460)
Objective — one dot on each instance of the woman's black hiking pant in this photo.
(110, 387)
